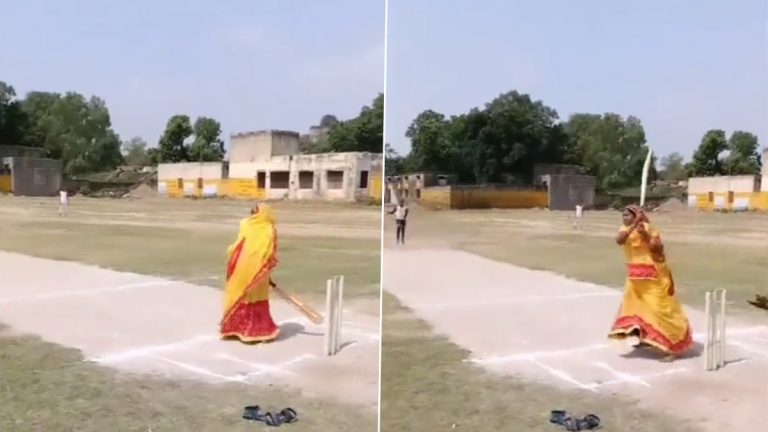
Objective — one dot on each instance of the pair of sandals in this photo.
(254, 413)
(571, 423)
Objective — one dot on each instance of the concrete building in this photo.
(267, 164)
(567, 190)
(26, 171)
(332, 176)
(259, 146)
(724, 192)
(187, 178)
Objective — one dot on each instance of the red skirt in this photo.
(250, 322)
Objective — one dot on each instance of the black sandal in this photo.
(288, 415)
(570, 423)
(253, 413)
(588, 422)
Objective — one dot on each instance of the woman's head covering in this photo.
(637, 212)
(261, 213)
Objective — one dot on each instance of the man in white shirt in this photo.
(401, 214)
(579, 214)
(63, 202)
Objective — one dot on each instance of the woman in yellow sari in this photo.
(252, 258)
(650, 313)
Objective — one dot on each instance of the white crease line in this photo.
(260, 367)
(596, 347)
(562, 375)
(621, 375)
(642, 377)
(304, 321)
(515, 300)
(747, 348)
(536, 354)
(86, 292)
(149, 350)
(199, 370)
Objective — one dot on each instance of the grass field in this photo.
(47, 387)
(424, 380)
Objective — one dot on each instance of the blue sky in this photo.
(682, 66)
(267, 64)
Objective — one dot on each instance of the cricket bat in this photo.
(294, 301)
(644, 184)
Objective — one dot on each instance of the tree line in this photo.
(501, 143)
(364, 133)
(78, 130)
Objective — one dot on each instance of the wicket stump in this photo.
(714, 349)
(334, 308)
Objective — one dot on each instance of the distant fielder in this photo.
(63, 202)
(579, 216)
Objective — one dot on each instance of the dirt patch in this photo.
(143, 191)
(672, 205)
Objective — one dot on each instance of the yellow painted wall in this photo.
(375, 186)
(232, 188)
(438, 198)
(242, 188)
(759, 201)
(497, 198)
(475, 198)
(6, 184)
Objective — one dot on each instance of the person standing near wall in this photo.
(579, 215)
(63, 202)
(401, 214)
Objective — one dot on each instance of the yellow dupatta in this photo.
(252, 257)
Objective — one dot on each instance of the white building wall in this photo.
(318, 164)
(720, 184)
(191, 170)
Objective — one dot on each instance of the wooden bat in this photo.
(294, 301)
(644, 184)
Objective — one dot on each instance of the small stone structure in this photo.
(26, 171)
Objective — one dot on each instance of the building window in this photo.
(363, 180)
(335, 179)
(306, 179)
(278, 179)
(261, 180)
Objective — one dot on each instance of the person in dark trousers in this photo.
(401, 214)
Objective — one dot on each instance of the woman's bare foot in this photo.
(669, 358)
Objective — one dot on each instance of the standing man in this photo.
(401, 214)
(63, 202)
(579, 213)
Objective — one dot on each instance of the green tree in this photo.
(73, 129)
(610, 147)
(364, 133)
(207, 146)
(744, 158)
(15, 124)
(706, 159)
(393, 162)
(135, 152)
(518, 134)
(673, 167)
(430, 150)
(171, 147)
